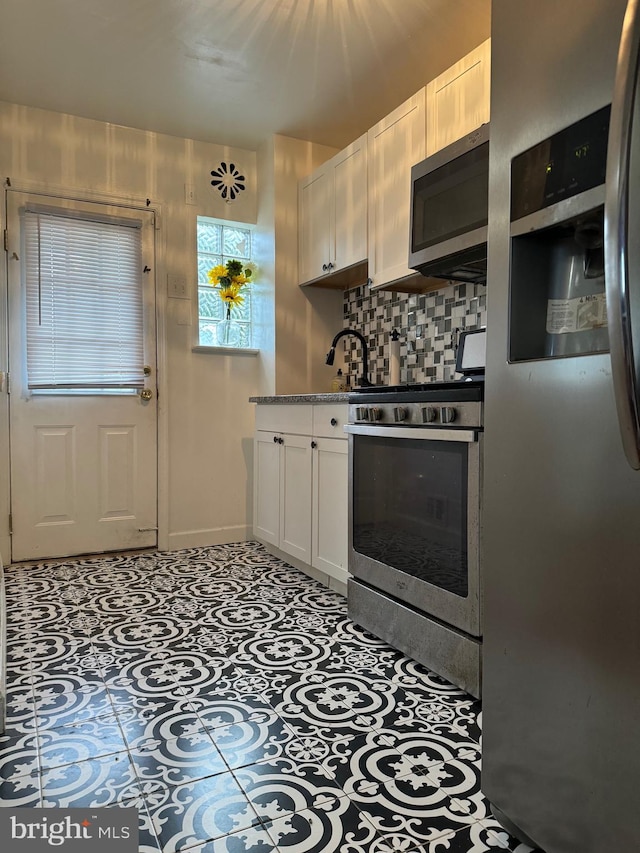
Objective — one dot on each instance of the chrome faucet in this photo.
(364, 382)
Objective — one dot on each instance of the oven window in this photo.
(410, 507)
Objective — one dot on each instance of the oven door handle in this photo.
(469, 436)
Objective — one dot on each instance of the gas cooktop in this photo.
(417, 386)
(429, 404)
(469, 386)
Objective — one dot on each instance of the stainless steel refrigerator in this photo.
(561, 683)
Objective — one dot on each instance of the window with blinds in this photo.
(84, 311)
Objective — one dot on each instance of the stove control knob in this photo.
(362, 413)
(429, 414)
(447, 414)
(400, 413)
(375, 413)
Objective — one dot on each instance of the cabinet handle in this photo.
(281, 440)
(314, 444)
(275, 439)
(324, 267)
(329, 266)
(369, 281)
(334, 422)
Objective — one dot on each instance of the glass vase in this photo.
(228, 332)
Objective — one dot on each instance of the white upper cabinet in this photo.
(458, 100)
(332, 206)
(314, 213)
(395, 144)
(356, 207)
(349, 209)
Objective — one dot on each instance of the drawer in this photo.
(293, 418)
(329, 420)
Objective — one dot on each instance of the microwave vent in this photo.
(468, 266)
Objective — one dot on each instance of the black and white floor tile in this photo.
(228, 698)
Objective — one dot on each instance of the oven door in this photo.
(414, 518)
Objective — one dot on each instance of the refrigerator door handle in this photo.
(621, 275)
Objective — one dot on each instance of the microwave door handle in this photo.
(622, 258)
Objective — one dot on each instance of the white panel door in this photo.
(83, 462)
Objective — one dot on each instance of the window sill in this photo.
(224, 350)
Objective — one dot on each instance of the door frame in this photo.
(133, 203)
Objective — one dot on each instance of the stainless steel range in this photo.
(415, 522)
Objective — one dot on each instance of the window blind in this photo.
(83, 303)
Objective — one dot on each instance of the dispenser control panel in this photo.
(568, 163)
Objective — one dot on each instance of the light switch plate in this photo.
(177, 287)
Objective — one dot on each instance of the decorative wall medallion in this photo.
(228, 181)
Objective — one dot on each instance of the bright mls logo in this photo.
(35, 830)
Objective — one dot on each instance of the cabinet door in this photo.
(349, 205)
(266, 487)
(330, 507)
(458, 99)
(295, 496)
(314, 223)
(394, 145)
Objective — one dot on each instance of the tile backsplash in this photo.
(427, 325)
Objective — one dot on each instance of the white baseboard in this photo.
(212, 536)
(5, 548)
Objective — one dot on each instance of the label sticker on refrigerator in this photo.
(576, 315)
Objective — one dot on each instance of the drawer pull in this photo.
(334, 422)
(314, 444)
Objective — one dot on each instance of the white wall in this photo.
(206, 421)
(303, 321)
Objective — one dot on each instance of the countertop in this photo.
(340, 397)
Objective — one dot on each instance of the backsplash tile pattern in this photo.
(426, 323)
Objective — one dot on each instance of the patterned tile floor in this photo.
(229, 698)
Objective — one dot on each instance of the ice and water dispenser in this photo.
(557, 289)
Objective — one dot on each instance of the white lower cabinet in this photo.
(301, 485)
(266, 487)
(295, 496)
(330, 481)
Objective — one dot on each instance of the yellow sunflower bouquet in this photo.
(229, 279)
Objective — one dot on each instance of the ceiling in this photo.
(232, 71)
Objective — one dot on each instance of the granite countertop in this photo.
(338, 397)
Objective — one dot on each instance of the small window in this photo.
(217, 243)
(84, 312)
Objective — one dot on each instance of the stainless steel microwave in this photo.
(449, 210)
